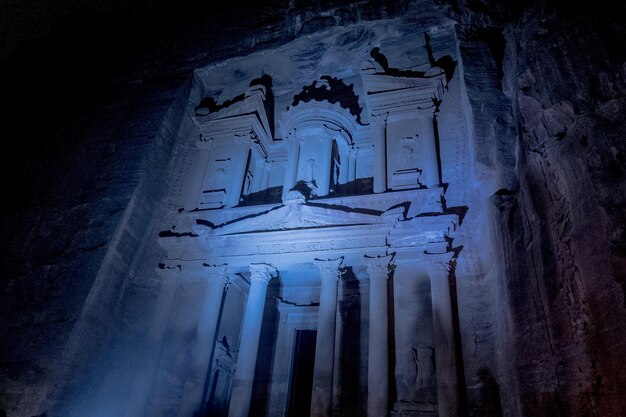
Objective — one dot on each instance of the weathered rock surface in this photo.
(88, 136)
(544, 131)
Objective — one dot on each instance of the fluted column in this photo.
(261, 274)
(321, 399)
(443, 335)
(378, 269)
(171, 279)
(217, 279)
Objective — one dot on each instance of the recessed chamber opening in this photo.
(302, 373)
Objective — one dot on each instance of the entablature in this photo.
(301, 229)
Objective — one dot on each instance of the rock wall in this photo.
(546, 87)
(91, 113)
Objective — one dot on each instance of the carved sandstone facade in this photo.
(325, 247)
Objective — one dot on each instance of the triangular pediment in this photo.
(298, 217)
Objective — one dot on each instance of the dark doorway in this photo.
(302, 374)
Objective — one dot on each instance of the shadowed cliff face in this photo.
(87, 136)
(551, 116)
(87, 133)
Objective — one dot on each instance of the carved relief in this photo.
(312, 159)
(425, 380)
(214, 192)
(407, 171)
(221, 378)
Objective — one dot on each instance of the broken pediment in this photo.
(243, 115)
(392, 89)
(333, 90)
(388, 93)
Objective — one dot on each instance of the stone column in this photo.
(430, 168)
(378, 269)
(336, 402)
(380, 153)
(323, 172)
(344, 163)
(321, 399)
(171, 280)
(237, 170)
(261, 274)
(352, 155)
(291, 169)
(205, 339)
(443, 335)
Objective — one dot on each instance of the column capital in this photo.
(329, 267)
(262, 272)
(437, 262)
(379, 265)
(217, 273)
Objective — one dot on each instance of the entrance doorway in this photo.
(302, 374)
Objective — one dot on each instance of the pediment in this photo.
(301, 217)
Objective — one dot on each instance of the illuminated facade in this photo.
(314, 248)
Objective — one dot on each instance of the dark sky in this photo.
(27, 19)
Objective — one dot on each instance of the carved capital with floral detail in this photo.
(379, 266)
(262, 272)
(329, 268)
